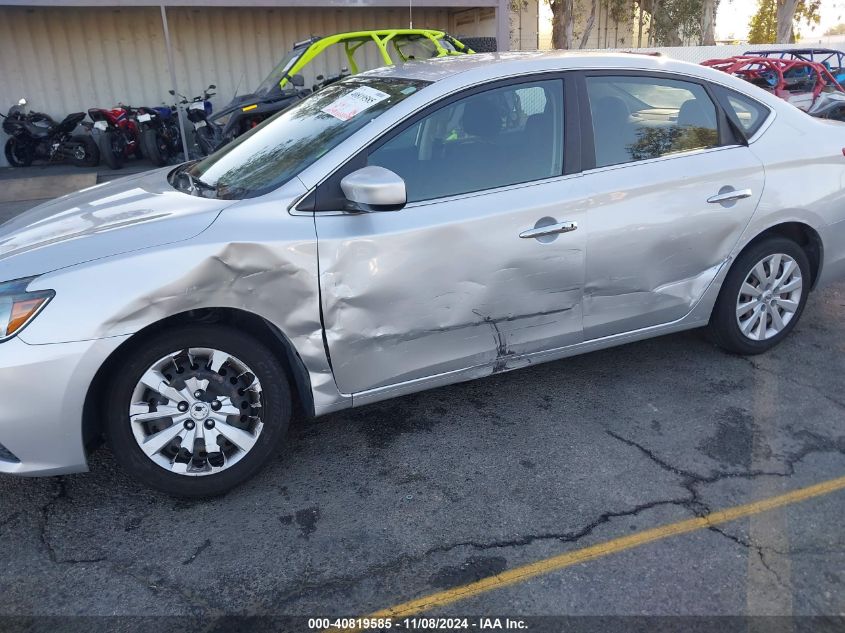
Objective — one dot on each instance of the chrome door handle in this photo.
(551, 229)
(727, 196)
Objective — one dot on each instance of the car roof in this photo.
(491, 65)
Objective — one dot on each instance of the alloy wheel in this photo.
(769, 297)
(197, 411)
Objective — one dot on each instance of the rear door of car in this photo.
(672, 185)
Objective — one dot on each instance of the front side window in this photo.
(638, 118)
(269, 155)
(490, 139)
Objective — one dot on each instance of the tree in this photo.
(839, 29)
(776, 21)
(563, 23)
(708, 22)
(763, 26)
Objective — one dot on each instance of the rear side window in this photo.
(746, 112)
(638, 118)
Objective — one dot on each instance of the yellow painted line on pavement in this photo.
(600, 550)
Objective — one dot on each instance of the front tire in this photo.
(205, 140)
(155, 147)
(197, 410)
(19, 154)
(762, 297)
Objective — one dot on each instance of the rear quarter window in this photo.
(746, 112)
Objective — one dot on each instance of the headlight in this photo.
(18, 307)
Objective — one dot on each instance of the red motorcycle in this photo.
(118, 137)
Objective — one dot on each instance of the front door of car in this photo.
(485, 262)
(672, 190)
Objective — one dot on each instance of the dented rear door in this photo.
(672, 185)
(655, 242)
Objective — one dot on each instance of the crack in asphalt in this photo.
(406, 560)
(690, 480)
(120, 568)
(760, 549)
(61, 493)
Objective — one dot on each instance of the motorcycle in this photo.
(118, 134)
(159, 133)
(35, 135)
(209, 135)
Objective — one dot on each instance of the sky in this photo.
(733, 17)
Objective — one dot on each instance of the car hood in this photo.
(124, 215)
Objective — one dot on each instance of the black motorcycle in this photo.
(34, 135)
(158, 128)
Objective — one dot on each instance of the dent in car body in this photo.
(449, 284)
(651, 255)
(270, 271)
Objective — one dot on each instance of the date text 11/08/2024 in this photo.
(422, 624)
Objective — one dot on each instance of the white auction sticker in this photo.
(355, 102)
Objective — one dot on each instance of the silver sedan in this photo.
(402, 229)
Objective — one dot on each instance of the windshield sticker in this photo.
(355, 102)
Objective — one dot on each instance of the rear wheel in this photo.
(84, 151)
(111, 149)
(197, 410)
(18, 153)
(155, 147)
(762, 297)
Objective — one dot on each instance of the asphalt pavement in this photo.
(376, 506)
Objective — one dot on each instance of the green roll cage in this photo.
(383, 38)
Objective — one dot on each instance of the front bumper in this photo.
(42, 395)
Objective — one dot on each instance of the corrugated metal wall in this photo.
(65, 59)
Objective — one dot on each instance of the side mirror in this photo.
(298, 81)
(22, 102)
(375, 188)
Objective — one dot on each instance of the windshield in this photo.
(269, 155)
(279, 71)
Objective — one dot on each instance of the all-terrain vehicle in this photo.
(805, 84)
(831, 59)
(361, 50)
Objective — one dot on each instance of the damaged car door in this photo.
(482, 264)
(673, 185)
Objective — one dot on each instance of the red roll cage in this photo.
(750, 68)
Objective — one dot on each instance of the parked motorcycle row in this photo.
(112, 136)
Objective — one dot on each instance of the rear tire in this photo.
(154, 147)
(19, 154)
(186, 466)
(111, 149)
(762, 297)
(88, 146)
